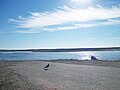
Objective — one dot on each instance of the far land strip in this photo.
(65, 49)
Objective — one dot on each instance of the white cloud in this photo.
(27, 31)
(92, 38)
(76, 17)
(81, 1)
(114, 38)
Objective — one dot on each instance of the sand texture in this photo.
(30, 75)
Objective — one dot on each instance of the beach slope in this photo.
(30, 75)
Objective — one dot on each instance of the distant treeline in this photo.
(67, 50)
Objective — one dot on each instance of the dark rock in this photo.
(94, 58)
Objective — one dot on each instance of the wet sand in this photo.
(61, 75)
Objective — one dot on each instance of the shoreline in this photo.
(61, 75)
(105, 63)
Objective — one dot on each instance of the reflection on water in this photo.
(101, 55)
(85, 55)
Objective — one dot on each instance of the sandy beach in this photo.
(61, 75)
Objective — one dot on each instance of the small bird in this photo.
(46, 67)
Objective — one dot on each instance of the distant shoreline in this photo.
(65, 49)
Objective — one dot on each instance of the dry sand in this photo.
(61, 75)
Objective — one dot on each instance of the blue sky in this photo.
(59, 23)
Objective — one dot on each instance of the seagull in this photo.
(46, 67)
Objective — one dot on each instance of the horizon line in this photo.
(60, 48)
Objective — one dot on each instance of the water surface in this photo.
(84, 55)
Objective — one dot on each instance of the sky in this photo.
(26, 24)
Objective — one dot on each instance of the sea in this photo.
(83, 55)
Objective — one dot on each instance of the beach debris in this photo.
(94, 58)
(46, 67)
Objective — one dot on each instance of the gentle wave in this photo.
(84, 55)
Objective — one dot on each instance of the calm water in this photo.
(102, 55)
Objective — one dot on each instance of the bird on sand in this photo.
(46, 67)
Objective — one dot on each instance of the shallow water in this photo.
(84, 55)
